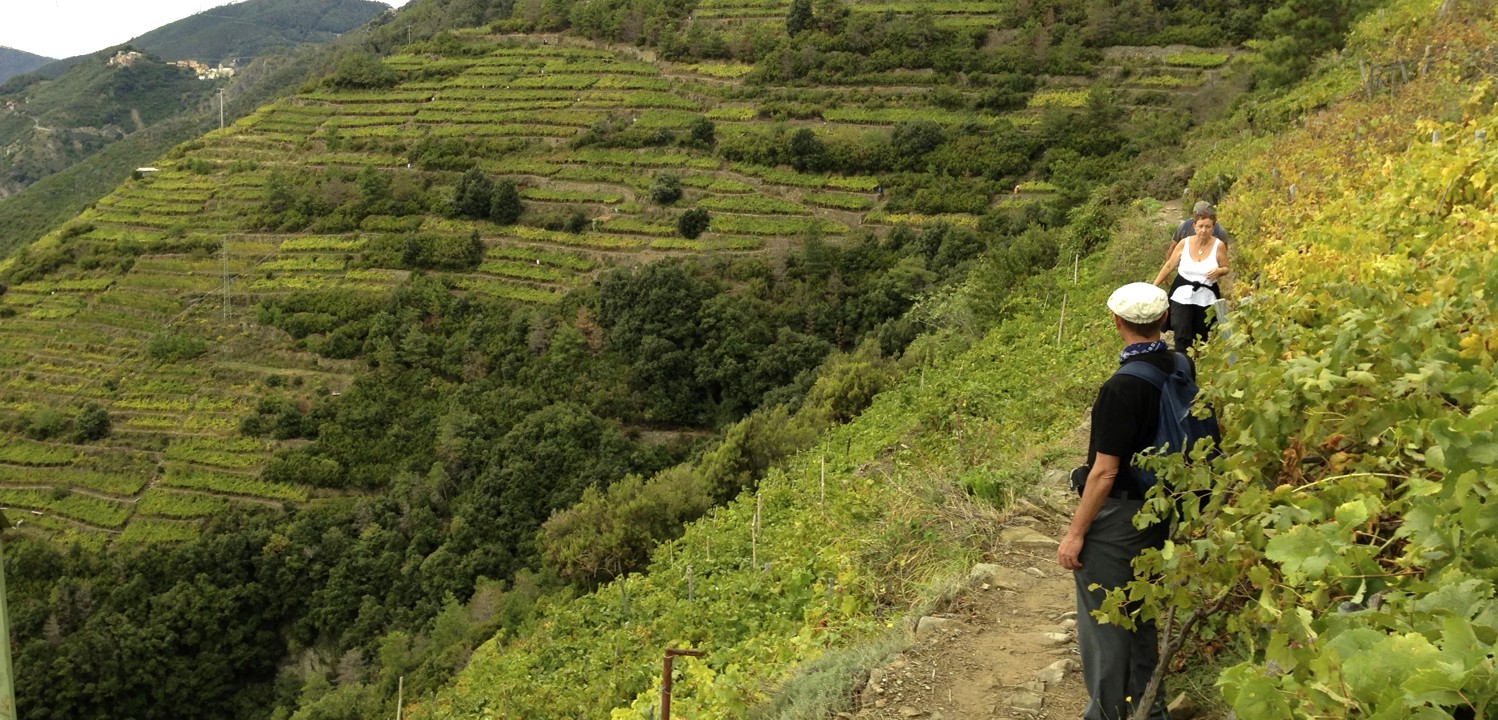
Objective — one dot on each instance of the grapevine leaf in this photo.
(1302, 550)
(1374, 666)
(1253, 695)
(1455, 599)
(1353, 513)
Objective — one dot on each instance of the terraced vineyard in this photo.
(161, 331)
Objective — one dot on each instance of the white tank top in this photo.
(1196, 271)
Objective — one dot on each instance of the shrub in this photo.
(693, 223)
(666, 190)
(92, 423)
(173, 346)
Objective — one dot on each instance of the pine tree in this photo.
(473, 195)
(504, 205)
(799, 18)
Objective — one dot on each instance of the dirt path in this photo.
(1005, 647)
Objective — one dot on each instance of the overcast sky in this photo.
(64, 28)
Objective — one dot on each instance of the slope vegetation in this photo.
(1352, 557)
(235, 33)
(330, 190)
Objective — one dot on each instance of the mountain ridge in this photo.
(14, 61)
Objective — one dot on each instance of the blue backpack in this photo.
(1178, 429)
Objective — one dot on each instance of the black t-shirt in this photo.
(1126, 415)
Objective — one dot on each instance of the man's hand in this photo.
(1094, 494)
(1069, 554)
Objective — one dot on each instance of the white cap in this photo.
(1138, 302)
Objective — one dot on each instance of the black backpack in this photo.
(1178, 429)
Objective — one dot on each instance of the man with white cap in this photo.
(1102, 542)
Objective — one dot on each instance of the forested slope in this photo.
(15, 62)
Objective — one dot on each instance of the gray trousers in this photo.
(1116, 663)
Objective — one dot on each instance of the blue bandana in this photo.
(1140, 349)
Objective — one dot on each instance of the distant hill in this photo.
(15, 62)
(64, 112)
(55, 123)
(231, 33)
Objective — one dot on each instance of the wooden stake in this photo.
(1062, 323)
(754, 532)
(822, 485)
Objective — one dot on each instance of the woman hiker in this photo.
(1199, 261)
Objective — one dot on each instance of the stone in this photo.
(1069, 624)
(1071, 615)
(1182, 708)
(907, 711)
(1026, 537)
(1027, 701)
(1035, 572)
(1056, 672)
(1048, 639)
(995, 575)
(932, 626)
(1056, 477)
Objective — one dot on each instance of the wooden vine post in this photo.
(666, 677)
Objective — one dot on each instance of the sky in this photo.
(64, 28)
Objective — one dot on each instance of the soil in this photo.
(1001, 640)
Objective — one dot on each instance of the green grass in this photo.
(181, 476)
(166, 503)
(151, 530)
(1198, 59)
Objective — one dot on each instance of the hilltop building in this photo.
(124, 58)
(203, 71)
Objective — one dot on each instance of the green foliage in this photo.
(359, 69)
(1345, 547)
(666, 189)
(504, 205)
(474, 195)
(798, 18)
(1297, 31)
(175, 346)
(613, 531)
(91, 424)
(693, 223)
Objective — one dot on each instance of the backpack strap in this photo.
(1146, 372)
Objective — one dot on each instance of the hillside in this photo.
(53, 125)
(1344, 565)
(14, 62)
(330, 190)
(67, 112)
(235, 33)
(317, 374)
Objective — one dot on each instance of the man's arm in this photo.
(1099, 484)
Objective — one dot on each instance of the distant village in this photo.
(126, 58)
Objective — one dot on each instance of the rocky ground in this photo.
(1006, 646)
